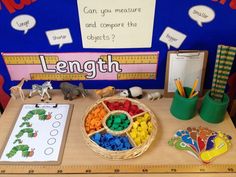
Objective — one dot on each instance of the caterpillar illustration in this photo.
(23, 148)
(40, 112)
(27, 124)
(18, 141)
(30, 132)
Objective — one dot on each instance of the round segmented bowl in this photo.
(119, 128)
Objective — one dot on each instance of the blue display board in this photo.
(56, 14)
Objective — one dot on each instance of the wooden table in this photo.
(159, 160)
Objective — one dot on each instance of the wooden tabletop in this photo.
(77, 155)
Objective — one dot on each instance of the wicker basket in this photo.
(124, 154)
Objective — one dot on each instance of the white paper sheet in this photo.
(187, 67)
(116, 24)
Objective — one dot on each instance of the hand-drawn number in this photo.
(173, 170)
(202, 170)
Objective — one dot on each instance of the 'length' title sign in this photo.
(81, 66)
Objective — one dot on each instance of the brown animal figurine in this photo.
(17, 90)
(106, 92)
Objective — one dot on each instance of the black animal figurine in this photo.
(71, 91)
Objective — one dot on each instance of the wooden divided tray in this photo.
(140, 128)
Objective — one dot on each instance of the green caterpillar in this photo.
(30, 132)
(23, 148)
(39, 112)
(27, 124)
(17, 141)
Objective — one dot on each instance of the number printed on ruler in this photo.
(133, 59)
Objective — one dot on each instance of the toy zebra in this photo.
(42, 90)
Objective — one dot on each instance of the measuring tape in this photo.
(115, 169)
(57, 76)
(135, 75)
(133, 59)
(29, 59)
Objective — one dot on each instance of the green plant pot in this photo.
(213, 111)
(184, 108)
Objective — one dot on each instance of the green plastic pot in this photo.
(213, 111)
(184, 108)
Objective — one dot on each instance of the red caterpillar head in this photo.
(49, 116)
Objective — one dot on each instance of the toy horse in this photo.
(42, 90)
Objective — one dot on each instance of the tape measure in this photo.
(135, 75)
(57, 76)
(28, 59)
(115, 169)
(133, 59)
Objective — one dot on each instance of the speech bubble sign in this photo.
(201, 14)
(23, 23)
(172, 37)
(59, 37)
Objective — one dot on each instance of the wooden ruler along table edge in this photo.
(116, 169)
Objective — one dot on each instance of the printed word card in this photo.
(39, 134)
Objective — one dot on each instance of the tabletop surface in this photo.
(77, 153)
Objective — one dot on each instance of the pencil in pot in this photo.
(178, 86)
(193, 88)
(193, 95)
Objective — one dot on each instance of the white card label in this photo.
(23, 23)
(201, 14)
(116, 24)
(172, 37)
(59, 37)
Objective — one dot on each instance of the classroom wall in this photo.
(55, 14)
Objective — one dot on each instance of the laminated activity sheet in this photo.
(38, 135)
